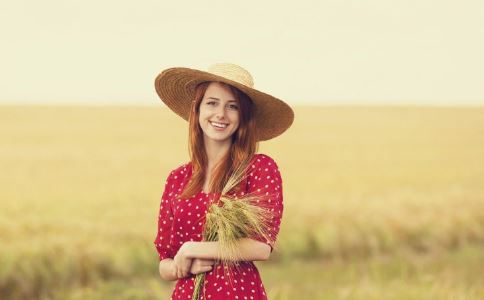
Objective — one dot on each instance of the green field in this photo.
(380, 202)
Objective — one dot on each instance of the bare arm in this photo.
(250, 250)
(173, 269)
(168, 270)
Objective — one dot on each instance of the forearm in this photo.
(165, 268)
(248, 249)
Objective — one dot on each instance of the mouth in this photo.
(219, 126)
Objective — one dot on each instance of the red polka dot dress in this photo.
(182, 220)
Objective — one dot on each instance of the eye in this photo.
(211, 103)
(233, 106)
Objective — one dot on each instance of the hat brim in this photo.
(176, 88)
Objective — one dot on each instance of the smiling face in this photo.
(219, 113)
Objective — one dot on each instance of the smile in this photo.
(219, 125)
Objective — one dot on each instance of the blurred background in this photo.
(383, 168)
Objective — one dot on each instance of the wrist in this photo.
(188, 249)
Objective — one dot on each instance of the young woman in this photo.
(227, 118)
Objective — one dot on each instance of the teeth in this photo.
(220, 125)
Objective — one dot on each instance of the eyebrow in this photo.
(213, 98)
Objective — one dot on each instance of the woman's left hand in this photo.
(182, 262)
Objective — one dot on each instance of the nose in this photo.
(220, 112)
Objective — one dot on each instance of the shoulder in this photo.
(264, 175)
(264, 167)
(180, 172)
(178, 175)
(263, 162)
(175, 180)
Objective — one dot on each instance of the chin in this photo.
(220, 139)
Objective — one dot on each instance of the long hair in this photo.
(243, 146)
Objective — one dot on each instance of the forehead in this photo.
(219, 91)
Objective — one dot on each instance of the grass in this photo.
(446, 275)
(385, 187)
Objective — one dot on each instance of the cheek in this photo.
(234, 116)
(236, 122)
(201, 122)
(202, 116)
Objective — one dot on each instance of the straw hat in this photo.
(176, 88)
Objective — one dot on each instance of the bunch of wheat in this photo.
(232, 218)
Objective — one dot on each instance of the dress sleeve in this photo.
(165, 221)
(265, 179)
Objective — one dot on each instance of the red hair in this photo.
(244, 144)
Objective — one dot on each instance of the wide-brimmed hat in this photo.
(176, 88)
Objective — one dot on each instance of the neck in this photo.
(215, 151)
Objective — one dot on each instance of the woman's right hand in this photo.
(181, 264)
(184, 264)
(201, 265)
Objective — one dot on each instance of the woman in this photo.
(227, 117)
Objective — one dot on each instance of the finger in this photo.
(181, 272)
(211, 262)
(188, 266)
(195, 267)
(173, 272)
(206, 262)
(200, 263)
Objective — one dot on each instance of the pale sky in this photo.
(421, 52)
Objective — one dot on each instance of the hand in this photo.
(181, 262)
(200, 265)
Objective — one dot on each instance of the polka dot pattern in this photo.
(182, 220)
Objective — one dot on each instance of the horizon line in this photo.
(302, 105)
